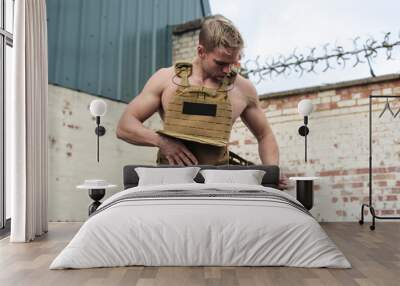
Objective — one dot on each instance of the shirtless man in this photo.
(218, 52)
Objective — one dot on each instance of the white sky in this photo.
(270, 28)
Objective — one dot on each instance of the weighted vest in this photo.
(199, 114)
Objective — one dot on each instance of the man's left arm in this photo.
(255, 120)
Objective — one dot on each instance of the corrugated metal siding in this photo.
(111, 47)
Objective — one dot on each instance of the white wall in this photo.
(72, 151)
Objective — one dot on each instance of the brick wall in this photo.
(184, 46)
(337, 143)
(185, 38)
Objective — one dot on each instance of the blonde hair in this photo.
(219, 32)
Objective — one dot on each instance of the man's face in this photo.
(219, 62)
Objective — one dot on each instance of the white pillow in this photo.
(163, 176)
(248, 177)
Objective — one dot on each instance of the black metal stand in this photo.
(303, 131)
(96, 195)
(369, 205)
(100, 131)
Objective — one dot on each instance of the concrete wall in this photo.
(73, 153)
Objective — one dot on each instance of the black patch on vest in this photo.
(199, 109)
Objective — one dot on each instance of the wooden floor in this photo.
(374, 255)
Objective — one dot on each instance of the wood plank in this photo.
(375, 257)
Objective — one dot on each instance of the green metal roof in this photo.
(110, 48)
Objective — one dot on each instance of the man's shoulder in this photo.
(165, 72)
(162, 76)
(245, 86)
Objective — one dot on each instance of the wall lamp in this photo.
(305, 107)
(98, 108)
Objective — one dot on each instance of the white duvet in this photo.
(200, 231)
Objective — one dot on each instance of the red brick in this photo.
(323, 106)
(391, 198)
(352, 199)
(357, 185)
(326, 106)
(346, 96)
(381, 177)
(387, 212)
(311, 95)
(376, 86)
(290, 104)
(381, 183)
(338, 186)
(376, 101)
(362, 171)
(341, 213)
(333, 105)
(358, 89)
(332, 173)
(342, 91)
(379, 170)
(395, 190)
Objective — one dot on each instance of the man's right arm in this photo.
(131, 129)
(144, 105)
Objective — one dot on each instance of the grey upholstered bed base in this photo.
(271, 177)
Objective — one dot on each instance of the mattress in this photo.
(201, 225)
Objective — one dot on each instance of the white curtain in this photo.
(26, 123)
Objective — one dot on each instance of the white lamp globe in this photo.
(98, 107)
(305, 107)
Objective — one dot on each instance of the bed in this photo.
(201, 224)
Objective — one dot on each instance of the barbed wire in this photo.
(328, 56)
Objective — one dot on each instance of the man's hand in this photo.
(283, 182)
(175, 152)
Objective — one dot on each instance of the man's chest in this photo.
(237, 100)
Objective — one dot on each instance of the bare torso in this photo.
(160, 90)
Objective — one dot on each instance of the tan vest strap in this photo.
(183, 70)
(200, 89)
